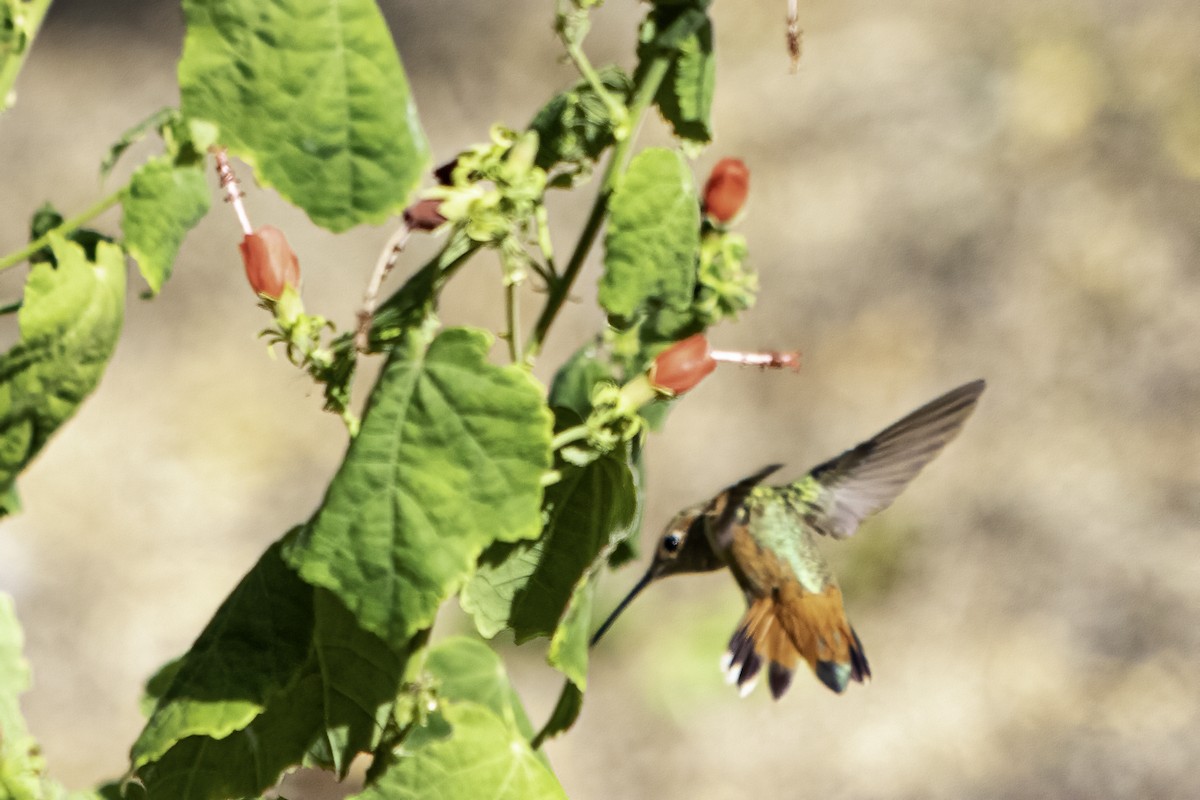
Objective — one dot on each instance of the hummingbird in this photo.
(766, 536)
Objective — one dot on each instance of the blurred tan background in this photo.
(946, 190)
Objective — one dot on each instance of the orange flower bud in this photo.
(682, 365)
(726, 189)
(270, 263)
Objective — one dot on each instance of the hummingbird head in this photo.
(683, 545)
(686, 544)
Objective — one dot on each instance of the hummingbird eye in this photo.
(670, 542)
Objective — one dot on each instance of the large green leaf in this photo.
(527, 586)
(469, 671)
(483, 758)
(70, 319)
(252, 648)
(359, 676)
(450, 458)
(161, 204)
(313, 95)
(280, 672)
(652, 243)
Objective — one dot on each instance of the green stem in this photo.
(65, 228)
(652, 77)
(28, 22)
(569, 436)
(544, 243)
(512, 314)
(616, 109)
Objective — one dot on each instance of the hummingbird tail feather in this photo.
(817, 627)
(759, 640)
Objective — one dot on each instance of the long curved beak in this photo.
(642, 584)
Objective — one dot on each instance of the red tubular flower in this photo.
(270, 263)
(682, 365)
(726, 189)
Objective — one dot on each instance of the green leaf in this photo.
(627, 549)
(469, 671)
(669, 24)
(566, 711)
(359, 676)
(450, 458)
(70, 320)
(252, 648)
(483, 759)
(134, 135)
(569, 646)
(281, 672)
(577, 378)
(158, 684)
(160, 205)
(46, 219)
(21, 763)
(526, 586)
(245, 762)
(686, 93)
(652, 243)
(575, 127)
(311, 94)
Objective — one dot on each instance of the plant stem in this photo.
(66, 227)
(512, 313)
(569, 436)
(616, 109)
(28, 22)
(561, 289)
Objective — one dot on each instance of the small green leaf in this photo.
(577, 378)
(526, 586)
(311, 94)
(70, 320)
(652, 242)
(469, 671)
(450, 458)
(686, 94)
(566, 711)
(482, 759)
(669, 24)
(575, 127)
(160, 205)
(134, 135)
(46, 219)
(569, 646)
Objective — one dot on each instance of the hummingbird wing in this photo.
(840, 493)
